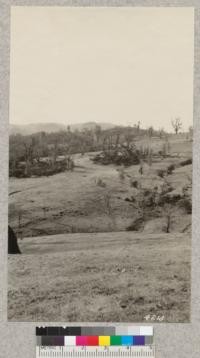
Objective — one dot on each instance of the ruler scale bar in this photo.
(85, 352)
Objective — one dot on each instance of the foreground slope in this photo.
(120, 276)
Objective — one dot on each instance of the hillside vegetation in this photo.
(99, 198)
(103, 220)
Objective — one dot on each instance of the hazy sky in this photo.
(119, 65)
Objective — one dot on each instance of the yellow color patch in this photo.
(104, 340)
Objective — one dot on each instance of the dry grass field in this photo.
(101, 277)
(79, 263)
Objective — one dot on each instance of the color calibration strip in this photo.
(94, 336)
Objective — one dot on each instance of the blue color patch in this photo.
(127, 340)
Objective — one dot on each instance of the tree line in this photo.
(27, 151)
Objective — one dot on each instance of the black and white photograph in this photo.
(100, 164)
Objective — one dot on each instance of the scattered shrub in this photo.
(186, 204)
(18, 173)
(170, 169)
(186, 162)
(131, 199)
(137, 224)
(101, 183)
(40, 169)
(168, 214)
(146, 192)
(134, 183)
(120, 156)
(166, 188)
(121, 174)
(161, 173)
(167, 199)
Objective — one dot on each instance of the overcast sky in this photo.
(118, 65)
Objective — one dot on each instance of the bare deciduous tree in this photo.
(190, 130)
(29, 145)
(138, 126)
(168, 214)
(121, 174)
(150, 132)
(97, 132)
(109, 209)
(176, 124)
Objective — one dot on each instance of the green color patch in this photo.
(115, 340)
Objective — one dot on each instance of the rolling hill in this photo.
(54, 127)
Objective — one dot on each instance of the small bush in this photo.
(186, 162)
(168, 215)
(186, 204)
(131, 199)
(147, 192)
(101, 183)
(134, 183)
(170, 169)
(18, 173)
(161, 173)
(121, 174)
(167, 199)
(137, 225)
(38, 170)
(166, 188)
(123, 156)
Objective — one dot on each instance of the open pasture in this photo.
(120, 276)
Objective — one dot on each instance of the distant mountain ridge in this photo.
(32, 128)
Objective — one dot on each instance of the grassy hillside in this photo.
(94, 197)
(120, 276)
